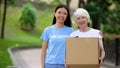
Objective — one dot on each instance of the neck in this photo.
(59, 25)
(84, 29)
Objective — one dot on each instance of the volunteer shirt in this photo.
(56, 38)
(91, 33)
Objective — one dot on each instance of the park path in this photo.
(30, 58)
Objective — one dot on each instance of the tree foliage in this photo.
(11, 2)
(28, 17)
(113, 25)
(102, 13)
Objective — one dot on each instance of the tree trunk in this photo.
(88, 1)
(81, 3)
(99, 18)
(3, 20)
(95, 23)
(68, 3)
(1, 2)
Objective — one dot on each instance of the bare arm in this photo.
(102, 51)
(43, 52)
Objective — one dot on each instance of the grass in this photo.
(5, 44)
(15, 36)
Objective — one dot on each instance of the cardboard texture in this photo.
(82, 52)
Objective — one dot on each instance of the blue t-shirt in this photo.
(56, 38)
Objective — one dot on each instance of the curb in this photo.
(12, 50)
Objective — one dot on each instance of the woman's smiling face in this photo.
(61, 15)
(81, 20)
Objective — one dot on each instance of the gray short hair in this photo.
(81, 12)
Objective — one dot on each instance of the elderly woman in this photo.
(82, 17)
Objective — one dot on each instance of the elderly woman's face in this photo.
(81, 20)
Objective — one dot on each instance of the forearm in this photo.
(102, 55)
(102, 51)
(42, 59)
(43, 53)
(42, 62)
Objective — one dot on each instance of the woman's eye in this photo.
(78, 18)
(65, 13)
(59, 12)
(83, 17)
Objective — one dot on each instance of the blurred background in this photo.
(23, 21)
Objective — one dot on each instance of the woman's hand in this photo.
(66, 66)
(101, 60)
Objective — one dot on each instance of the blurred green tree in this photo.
(28, 17)
(104, 12)
(98, 10)
(113, 26)
(11, 2)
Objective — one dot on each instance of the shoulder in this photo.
(69, 28)
(95, 30)
(74, 33)
(98, 31)
(48, 28)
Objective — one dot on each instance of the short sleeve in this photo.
(45, 34)
(100, 34)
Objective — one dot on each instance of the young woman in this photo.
(81, 17)
(54, 39)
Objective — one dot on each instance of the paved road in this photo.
(30, 58)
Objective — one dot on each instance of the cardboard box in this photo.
(82, 52)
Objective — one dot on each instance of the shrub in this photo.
(28, 17)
